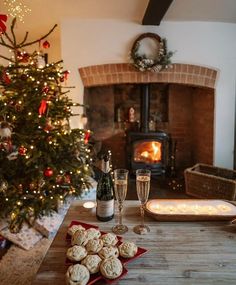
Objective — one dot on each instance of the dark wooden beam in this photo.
(155, 11)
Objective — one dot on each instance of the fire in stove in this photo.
(147, 152)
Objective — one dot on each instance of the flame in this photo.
(145, 154)
(155, 148)
(149, 152)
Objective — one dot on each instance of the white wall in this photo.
(91, 42)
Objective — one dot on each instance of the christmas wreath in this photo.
(159, 58)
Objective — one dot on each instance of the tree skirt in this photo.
(19, 266)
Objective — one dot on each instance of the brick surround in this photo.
(119, 73)
(191, 107)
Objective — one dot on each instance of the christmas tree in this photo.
(42, 160)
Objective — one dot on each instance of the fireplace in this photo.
(185, 128)
(145, 149)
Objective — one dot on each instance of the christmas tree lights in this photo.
(42, 159)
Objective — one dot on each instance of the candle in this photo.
(189, 207)
(89, 205)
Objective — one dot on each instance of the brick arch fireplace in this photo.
(188, 117)
(118, 73)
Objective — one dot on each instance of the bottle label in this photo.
(105, 208)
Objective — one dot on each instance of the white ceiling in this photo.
(180, 10)
(45, 13)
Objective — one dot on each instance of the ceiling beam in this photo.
(155, 11)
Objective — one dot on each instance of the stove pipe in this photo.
(145, 107)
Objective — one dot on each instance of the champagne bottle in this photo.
(105, 190)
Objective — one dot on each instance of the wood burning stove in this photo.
(147, 149)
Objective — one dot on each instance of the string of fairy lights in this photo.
(28, 149)
(17, 9)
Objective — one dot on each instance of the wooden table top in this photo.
(178, 252)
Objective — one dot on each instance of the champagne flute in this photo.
(120, 185)
(143, 177)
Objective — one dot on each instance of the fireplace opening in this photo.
(147, 152)
(180, 115)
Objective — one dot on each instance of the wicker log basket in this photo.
(210, 182)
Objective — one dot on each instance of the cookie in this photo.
(94, 245)
(92, 262)
(93, 233)
(74, 228)
(128, 249)
(76, 253)
(111, 268)
(80, 238)
(108, 251)
(77, 274)
(109, 239)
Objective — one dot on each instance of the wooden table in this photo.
(178, 252)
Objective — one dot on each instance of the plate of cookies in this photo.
(96, 255)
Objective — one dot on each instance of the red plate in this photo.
(140, 252)
(110, 281)
(96, 277)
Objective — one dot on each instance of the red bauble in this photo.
(25, 57)
(59, 179)
(22, 150)
(46, 44)
(45, 89)
(6, 79)
(62, 79)
(48, 172)
(66, 73)
(67, 179)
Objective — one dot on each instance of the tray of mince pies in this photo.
(94, 255)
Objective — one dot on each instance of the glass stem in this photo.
(120, 214)
(142, 214)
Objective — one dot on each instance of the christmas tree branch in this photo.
(25, 38)
(3, 43)
(67, 87)
(6, 58)
(65, 92)
(12, 31)
(55, 63)
(36, 41)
